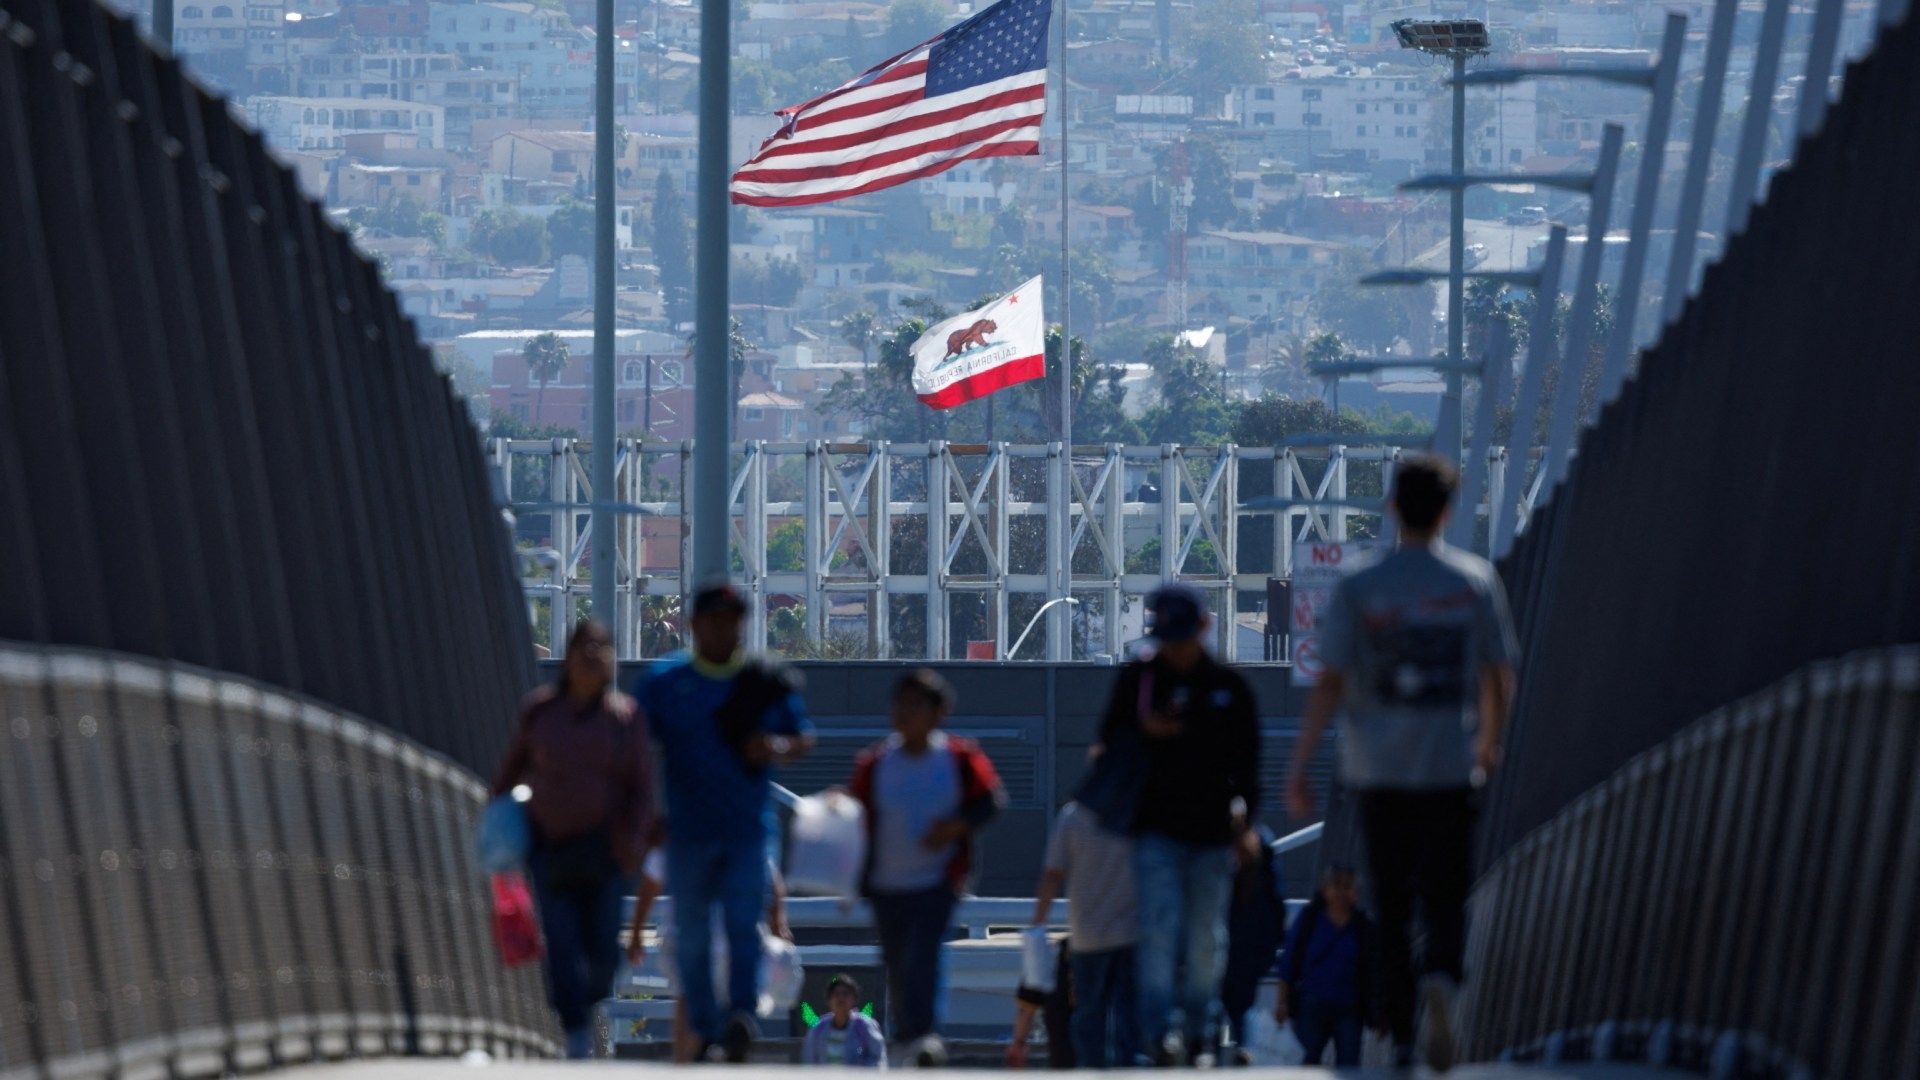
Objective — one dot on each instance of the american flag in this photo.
(976, 91)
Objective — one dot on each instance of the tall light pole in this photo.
(602, 518)
(712, 405)
(161, 23)
(1457, 40)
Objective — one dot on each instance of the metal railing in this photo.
(1738, 899)
(861, 528)
(220, 440)
(201, 875)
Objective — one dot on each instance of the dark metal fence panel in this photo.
(217, 912)
(1760, 865)
(274, 481)
(1716, 530)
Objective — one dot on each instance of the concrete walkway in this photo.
(440, 1069)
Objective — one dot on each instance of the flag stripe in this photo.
(1011, 373)
(977, 90)
(920, 113)
(810, 194)
(949, 136)
(887, 71)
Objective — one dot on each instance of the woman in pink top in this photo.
(582, 750)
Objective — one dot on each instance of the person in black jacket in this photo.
(1182, 728)
(1327, 977)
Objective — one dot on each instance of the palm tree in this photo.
(858, 329)
(737, 349)
(546, 356)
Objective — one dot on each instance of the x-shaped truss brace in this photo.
(971, 509)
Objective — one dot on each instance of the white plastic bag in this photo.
(1273, 1045)
(781, 975)
(1036, 960)
(827, 845)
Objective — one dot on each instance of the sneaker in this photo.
(737, 1040)
(1170, 1052)
(1437, 1044)
(930, 1053)
(1242, 1058)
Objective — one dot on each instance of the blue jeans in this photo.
(1184, 889)
(913, 927)
(1315, 1022)
(1103, 1009)
(701, 874)
(581, 921)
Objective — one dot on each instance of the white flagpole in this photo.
(1061, 631)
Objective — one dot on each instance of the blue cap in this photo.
(1178, 612)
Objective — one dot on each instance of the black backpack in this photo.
(761, 684)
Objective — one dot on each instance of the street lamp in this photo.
(1455, 39)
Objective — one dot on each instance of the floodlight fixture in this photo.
(1449, 37)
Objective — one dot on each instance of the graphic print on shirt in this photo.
(1423, 650)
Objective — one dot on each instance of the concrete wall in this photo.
(1036, 721)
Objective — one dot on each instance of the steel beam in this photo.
(1706, 121)
(1753, 130)
(1820, 54)
(1586, 295)
(1646, 193)
(1540, 351)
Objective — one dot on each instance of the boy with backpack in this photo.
(925, 794)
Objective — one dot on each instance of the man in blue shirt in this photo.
(720, 719)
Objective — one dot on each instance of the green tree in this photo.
(510, 239)
(738, 346)
(1226, 46)
(859, 329)
(775, 283)
(1373, 317)
(546, 356)
(910, 22)
(1193, 408)
(673, 248)
(570, 228)
(1274, 418)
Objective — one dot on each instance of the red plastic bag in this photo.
(515, 930)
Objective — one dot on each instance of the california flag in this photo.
(972, 355)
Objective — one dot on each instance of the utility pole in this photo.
(605, 597)
(161, 26)
(711, 405)
(1447, 429)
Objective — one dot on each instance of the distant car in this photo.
(1527, 215)
(1476, 254)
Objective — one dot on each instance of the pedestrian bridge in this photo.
(263, 631)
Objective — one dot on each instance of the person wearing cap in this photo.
(721, 720)
(1191, 725)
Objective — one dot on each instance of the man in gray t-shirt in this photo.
(1419, 654)
(1093, 863)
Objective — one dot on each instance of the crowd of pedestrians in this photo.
(1176, 911)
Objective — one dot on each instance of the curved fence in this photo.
(220, 442)
(200, 874)
(1716, 531)
(1737, 899)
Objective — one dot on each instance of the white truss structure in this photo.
(853, 501)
